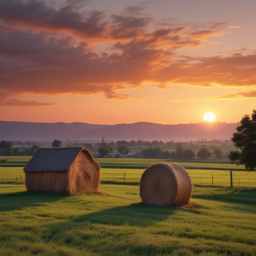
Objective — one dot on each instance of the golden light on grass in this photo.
(209, 116)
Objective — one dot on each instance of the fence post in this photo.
(212, 180)
(124, 177)
(231, 179)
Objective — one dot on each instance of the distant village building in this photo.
(132, 155)
(102, 140)
(69, 170)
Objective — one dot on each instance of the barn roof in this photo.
(52, 159)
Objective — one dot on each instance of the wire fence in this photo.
(208, 178)
(223, 180)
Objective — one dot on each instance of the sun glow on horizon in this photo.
(209, 117)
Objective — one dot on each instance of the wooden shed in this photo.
(69, 170)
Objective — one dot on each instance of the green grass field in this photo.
(137, 163)
(216, 173)
(219, 220)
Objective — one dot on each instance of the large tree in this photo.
(152, 152)
(6, 145)
(245, 141)
(110, 148)
(218, 152)
(189, 154)
(204, 153)
(123, 149)
(167, 154)
(34, 148)
(179, 151)
(104, 151)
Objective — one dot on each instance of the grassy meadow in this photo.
(129, 171)
(218, 221)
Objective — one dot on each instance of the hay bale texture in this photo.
(69, 170)
(165, 184)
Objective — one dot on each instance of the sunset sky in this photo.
(117, 61)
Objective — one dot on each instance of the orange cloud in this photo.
(230, 96)
(55, 66)
(204, 34)
(216, 29)
(5, 101)
(234, 26)
(25, 103)
(237, 96)
(37, 61)
(236, 70)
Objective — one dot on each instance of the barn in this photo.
(68, 170)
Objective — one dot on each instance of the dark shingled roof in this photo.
(52, 159)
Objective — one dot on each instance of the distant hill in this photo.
(43, 131)
(93, 132)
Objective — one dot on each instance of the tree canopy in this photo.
(245, 141)
(218, 152)
(204, 153)
(123, 149)
(34, 148)
(173, 155)
(109, 147)
(104, 151)
(167, 154)
(57, 143)
(179, 152)
(6, 145)
(152, 152)
(189, 154)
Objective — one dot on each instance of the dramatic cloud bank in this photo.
(50, 51)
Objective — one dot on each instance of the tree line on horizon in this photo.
(7, 149)
(123, 148)
(158, 152)
(154, 148)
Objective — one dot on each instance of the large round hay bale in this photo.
(165, 184)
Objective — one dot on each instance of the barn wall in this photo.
(47, 181)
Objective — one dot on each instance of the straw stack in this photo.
(165, 184)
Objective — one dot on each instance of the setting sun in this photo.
(209, 116)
